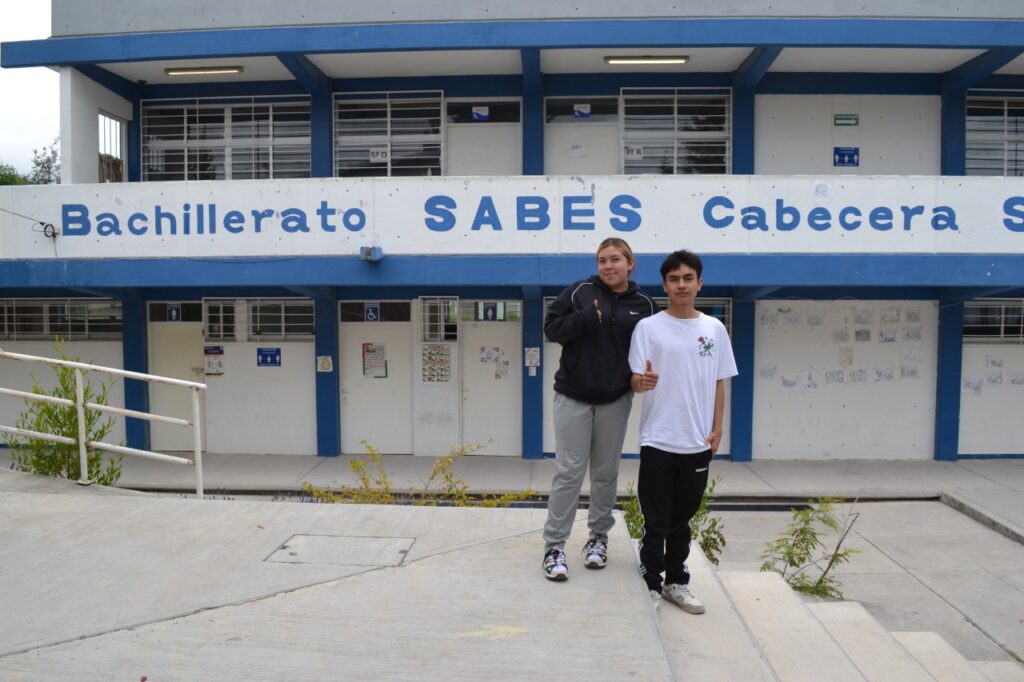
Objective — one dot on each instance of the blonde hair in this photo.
(619, 244)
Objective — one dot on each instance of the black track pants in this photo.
(669, 488)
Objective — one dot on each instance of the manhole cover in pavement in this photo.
(342, 549)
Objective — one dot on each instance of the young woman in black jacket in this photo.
(593, 319)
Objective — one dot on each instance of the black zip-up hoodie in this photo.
(595, 350)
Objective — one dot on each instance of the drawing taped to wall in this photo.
(861, 334)
(840, 336)
(912, 334)
(887, 335)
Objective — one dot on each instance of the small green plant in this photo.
(55, 459)
(442, 486)
(706, 529)
(800, 548)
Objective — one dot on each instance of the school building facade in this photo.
(347, 218)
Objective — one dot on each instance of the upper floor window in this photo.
(388, 134)
(995, 136)
(240, 140)
(111, 149)
(675, 131)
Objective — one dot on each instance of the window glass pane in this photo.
(266, 319)
(250, 122)
(298, 319)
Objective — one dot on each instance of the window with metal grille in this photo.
(995, 136)
(282, 319)
(375, 311)
(715, 307)
(219, 320)
(994, 321)
(111, 148)
(68, 319)
(676, 131)
(240, 140)
(388, 134)
(439, 319)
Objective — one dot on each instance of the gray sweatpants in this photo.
(585, 434)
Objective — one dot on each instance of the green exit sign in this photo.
(845, 119)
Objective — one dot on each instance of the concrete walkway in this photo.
(113, 584)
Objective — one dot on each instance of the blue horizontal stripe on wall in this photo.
(661, 32)
(785, 83)
(721, 270)
(990, 456)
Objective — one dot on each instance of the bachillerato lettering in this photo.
(78, 220)
(720, 212)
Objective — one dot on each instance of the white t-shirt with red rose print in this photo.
(689, 356)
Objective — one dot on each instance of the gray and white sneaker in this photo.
(655, 598)
(681, 596)
(554, 564)
(596, 552)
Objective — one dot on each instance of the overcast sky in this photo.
(29, 98)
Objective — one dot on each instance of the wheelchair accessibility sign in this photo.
(268, 357)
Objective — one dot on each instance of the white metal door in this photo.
(175, 350)
(492, 379)
(376, 386)
(437, 392)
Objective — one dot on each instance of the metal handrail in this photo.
(80, 405)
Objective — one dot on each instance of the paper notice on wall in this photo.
(435, 363)
(858, 376)
(912, 334)
(888, 335)
(890, 315)
(972, 384)
(835, 376)
(489, 353)
(501, 368)
(531, 358)
(910, 370)
(375, 360)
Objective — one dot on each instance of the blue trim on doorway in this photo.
(948, 377)
(328, 384)
(533, 386)
(741, 414)
(135, 357)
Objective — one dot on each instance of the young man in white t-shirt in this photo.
(680, 359)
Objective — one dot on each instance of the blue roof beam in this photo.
(754, 67)
(307, 74)
(753, 293)
(315, 293)
(111, 81)
(984, 65)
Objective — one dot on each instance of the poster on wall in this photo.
(213, 360)
(375, 360)
(435, 363)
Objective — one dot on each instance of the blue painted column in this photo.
(533, 386)
(953, 135)
(533, 114)
(134, 146)
(947, 390)
(321, 144)
(328, 385)
(741, 427)
(743, 132)
(135, 358)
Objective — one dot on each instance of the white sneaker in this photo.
(596, 551)
(681, 596)
(655, 598)
(554, 564)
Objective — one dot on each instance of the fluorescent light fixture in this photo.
(647, 59)
(202, 70)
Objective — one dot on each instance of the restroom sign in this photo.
(268, 357)
(371, 312)
(174, 312)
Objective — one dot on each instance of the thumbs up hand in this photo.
(649, 379)
(599, 317)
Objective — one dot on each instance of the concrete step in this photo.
(715, 645)
(870, 646)
(797, 646)
(1001, 671)
(938, 657)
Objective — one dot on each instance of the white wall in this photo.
(484, 149)
(81, 100)
(897, 135)
(74, 17)
(18, 375)
(992, 392)
(581, 148)
(258, 410)
(803, 412)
